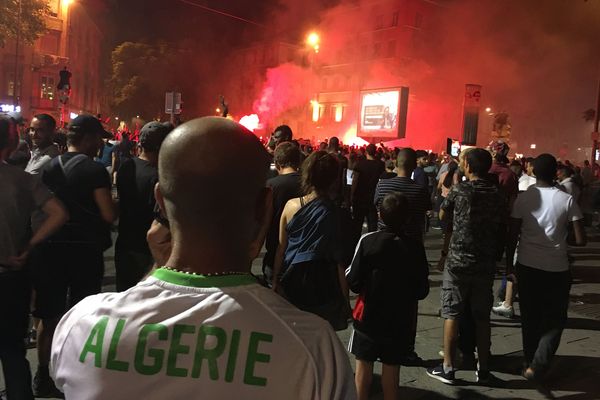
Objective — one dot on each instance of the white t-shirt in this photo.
(525, 181)
(545, 213)
(571, 187)
(180, 336)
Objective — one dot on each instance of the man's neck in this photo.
(205, 257)
(287, 170)
(370, 157)
(543, 184)
(152, 158)
(403, 173)
(43, 146)
(76, 149)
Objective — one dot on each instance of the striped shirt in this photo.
(418, 202)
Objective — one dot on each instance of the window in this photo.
(53, 6)
(395, 19)
(418, 20)
(47, 88)
(336, 83)
(391, 49)
(379, 22)
(10, 85)
(377, 50)
(49, 43)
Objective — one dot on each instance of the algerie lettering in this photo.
(212, 344)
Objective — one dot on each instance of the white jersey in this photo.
(182, 336)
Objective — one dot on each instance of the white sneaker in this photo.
(504, 311)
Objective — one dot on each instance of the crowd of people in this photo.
(196, 204)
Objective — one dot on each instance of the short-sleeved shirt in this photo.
(183, 336)
(369, 172)
(20, 195)
(75, 189)
(136, 180)
(418, 202)
(479, 212)
(507, 179)
(545, 213)
(39, 158)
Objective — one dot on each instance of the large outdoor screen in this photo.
(383, 113)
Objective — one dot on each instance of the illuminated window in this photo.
(47, 88)
(395, 19)
(339, 112)
(53, 6)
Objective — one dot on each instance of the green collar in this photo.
(202, 281)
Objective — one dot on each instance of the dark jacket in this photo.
(390, 272)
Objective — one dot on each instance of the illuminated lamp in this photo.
(315, 110)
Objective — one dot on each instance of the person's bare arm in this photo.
(514, 230)
(288, 212)
(104, 201)
(579, 231)
(56, 217)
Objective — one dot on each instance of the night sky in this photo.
(538, 60)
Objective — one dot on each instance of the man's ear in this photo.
(263, 216)
(160, 200)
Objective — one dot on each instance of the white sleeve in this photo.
(573, 210)
(517, 207)
(58, 370)
(337, 379)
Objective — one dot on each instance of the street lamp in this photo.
(313, 40)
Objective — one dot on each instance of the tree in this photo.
(30, 22)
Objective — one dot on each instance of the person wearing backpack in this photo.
(74, 262)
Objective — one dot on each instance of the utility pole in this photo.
(596, 123)
(16, 82)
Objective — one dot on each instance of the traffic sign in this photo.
(172, 103)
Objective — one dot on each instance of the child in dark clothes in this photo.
(390, 273)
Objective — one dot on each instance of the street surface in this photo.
(575, 375)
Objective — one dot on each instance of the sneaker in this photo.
(504, 311)
(483, 376)
(439, 374)
(43, 385)
(411, 360)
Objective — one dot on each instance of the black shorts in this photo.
(389, 351)
(461, 289)
(63, 275)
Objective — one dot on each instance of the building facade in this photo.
(364, 45)
(73, 40)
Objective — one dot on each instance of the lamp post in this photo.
(16, 83)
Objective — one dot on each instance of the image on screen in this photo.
(379, 113)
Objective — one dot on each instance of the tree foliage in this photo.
(32, 19)
(142, 73)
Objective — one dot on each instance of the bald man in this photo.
(201, 326)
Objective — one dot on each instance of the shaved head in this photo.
(202, 192)
(407, 159)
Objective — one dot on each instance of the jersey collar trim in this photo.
(201, 281)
